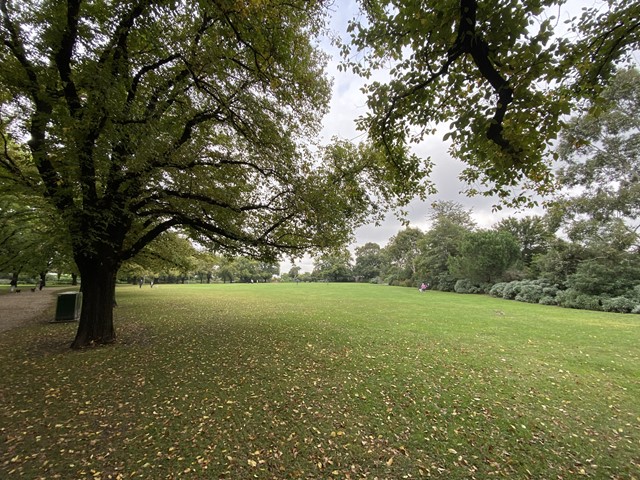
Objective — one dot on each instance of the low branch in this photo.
(147, 238)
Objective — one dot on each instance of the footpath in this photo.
(27, 307)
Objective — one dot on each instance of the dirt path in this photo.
(27, 307)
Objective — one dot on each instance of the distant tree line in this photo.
(520, 259)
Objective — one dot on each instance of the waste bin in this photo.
(68, 307)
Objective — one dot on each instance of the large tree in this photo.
(600, 167)
(500, 73)
(485, 255)
(450, 223)
(369, 261)
(402, 254)
(532, 234)
(599, 206)
(333, 266)
(141, 117)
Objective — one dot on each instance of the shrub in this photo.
(498, 289)
(444, 282)
(511, 290)
(467, 286)
(530, 293)
(573, 299)
(619, 305)
(391, 280)
(548, 300)
(635, 293)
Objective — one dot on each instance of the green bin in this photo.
(68, 307)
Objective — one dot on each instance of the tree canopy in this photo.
(133, 119)
(600, 166)
(501, 74)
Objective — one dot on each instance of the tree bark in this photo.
(98, 293)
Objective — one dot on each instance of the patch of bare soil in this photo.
(27, 307)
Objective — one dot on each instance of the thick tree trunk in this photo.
(96, 319)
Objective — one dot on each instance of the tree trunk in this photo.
(14, 281)
(98, 294)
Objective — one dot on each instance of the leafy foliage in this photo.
(467, 286)
(571, 298)
(450, 222)
(333, 266)
(609, 275)
(485, 255)
(369, 261)
(136, 119)
(496, 72)
(32, 239)
(619, 304)
(600, 155)
(532, 234)
(402, 253)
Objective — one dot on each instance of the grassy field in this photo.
(324, 381)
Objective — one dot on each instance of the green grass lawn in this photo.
(324, 381)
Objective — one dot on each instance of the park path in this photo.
(27, 307)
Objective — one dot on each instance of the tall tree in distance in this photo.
(485, 255)
(369, 261)
(599, 205)
(402, 254)
(600, 167)
(450, 223)
(137, 118)
(333, 266)
(532, 233)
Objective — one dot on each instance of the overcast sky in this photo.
(348, 103)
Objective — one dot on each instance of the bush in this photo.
(529, 293)
(391, 280)
(548, 300)
(498, 289)
(467, 286)
(511, 290)
(462, 286)
(573, 299)
(635, 294)
(444, 282)
(619, 305)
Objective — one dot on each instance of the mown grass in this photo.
(324, 381)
